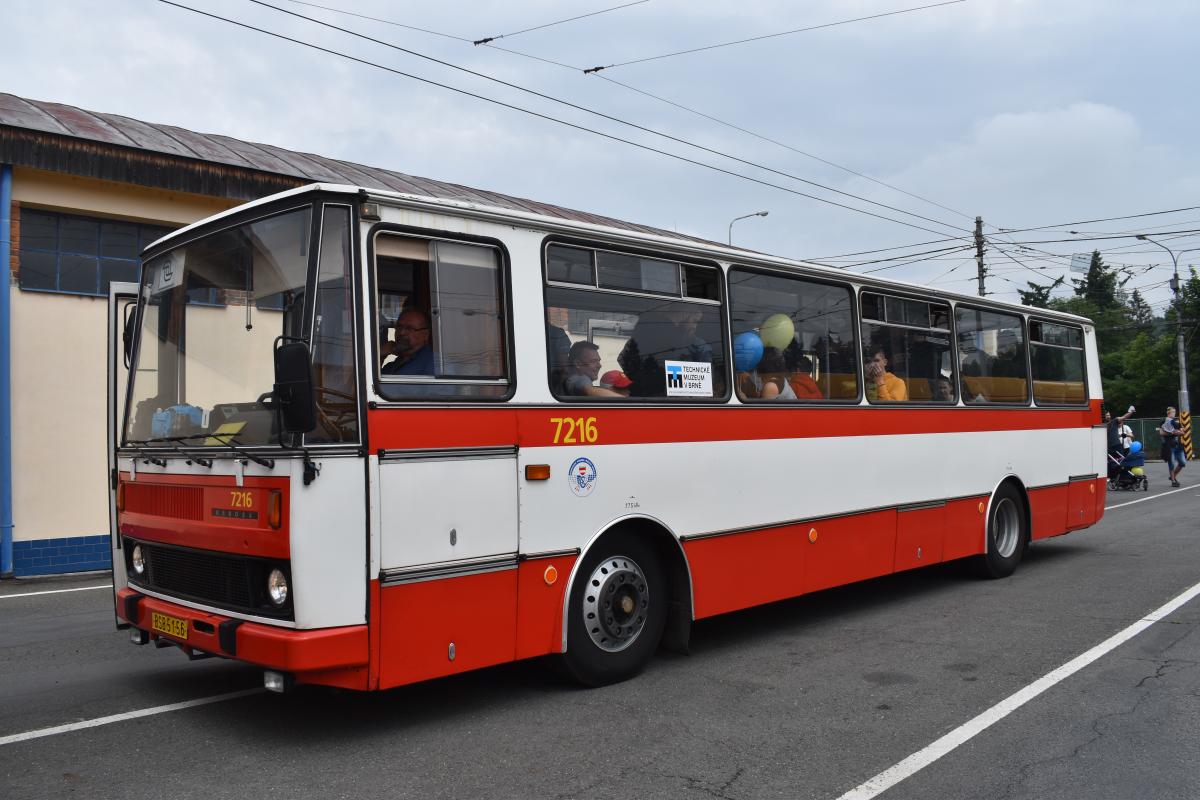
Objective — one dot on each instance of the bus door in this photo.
(122, 302)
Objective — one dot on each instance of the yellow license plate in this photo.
(172, 626)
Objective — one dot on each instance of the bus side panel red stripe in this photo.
(475, 613)
(1048, 511)
(375, 627)
(540, 605)
(849, 549)
(1101, 491)
(419, 428)
(965, 526)
(920, 536)
(745, 569)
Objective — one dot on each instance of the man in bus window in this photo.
(582, 370)
(413, 353)
(881, 384)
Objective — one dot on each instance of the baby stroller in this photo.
(1129, 473)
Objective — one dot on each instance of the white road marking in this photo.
(964, 733)
(145, 712)
(1144, 499)
(55, 591)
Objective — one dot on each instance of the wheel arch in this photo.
(674, 561)
(1019, 485)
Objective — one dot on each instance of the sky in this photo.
(1028, 113)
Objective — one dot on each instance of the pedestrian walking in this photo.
(1172, 446)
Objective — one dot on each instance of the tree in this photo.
(1140, 310)
(1100, 286)
(1038, 294)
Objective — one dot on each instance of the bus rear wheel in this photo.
(616, 613)
(1007, 534)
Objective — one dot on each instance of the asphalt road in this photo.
(803, 699)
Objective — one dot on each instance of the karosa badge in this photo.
(582, 477)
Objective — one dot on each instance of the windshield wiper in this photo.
(226, 440)
(173, 441)
(148, 457)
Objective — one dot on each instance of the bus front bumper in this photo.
(309, 655)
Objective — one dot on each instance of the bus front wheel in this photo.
(617, 611)
(1007, 534)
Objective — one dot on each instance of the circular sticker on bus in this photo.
(582, 476)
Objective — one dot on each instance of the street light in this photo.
(1185, 409)
(747, 216)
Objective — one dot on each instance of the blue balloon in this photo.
(1136, 447)
(747, 351)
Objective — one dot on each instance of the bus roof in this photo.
(583, 224)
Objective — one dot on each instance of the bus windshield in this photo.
(211, 311)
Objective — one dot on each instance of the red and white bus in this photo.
(371, 438)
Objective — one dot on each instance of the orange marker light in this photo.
(550, 575)
(275, 509)
(537, 472)
(981, 507)
(812, 535)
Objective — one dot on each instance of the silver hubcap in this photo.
(1007, 527)
(616, 600)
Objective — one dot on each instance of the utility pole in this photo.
(1185, 405)
(979, 254)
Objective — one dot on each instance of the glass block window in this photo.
(79, 255)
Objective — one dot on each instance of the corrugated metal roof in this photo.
(167, 140)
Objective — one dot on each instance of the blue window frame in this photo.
(79, 255)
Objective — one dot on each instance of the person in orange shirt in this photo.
(881, 384)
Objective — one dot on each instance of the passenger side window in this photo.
(440, 319)
(622, 325)
(906, 350)
(793, 339)
(1056, 353)
(991, 355)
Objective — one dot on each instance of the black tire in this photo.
(1007, 534)
(623, 571)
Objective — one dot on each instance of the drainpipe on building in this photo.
(6, 495)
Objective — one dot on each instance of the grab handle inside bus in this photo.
(293, 391)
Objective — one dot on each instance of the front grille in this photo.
(237, 583)
(177, 502)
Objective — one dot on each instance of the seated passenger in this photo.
(801, 380)
(582, 369)
(943, 390)
(881, 384)
(616, 381)
(771, 374)
(411, 348)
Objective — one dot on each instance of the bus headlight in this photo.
(136, 559)
(277, 587)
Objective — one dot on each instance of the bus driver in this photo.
(411, 348)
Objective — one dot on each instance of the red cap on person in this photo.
(615, 379)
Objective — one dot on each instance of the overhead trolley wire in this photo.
(1091, 221)
(489, 39)
(593, 70)
(584, 109)
(539, 115)
(656, 97)
(378, 19)
(782, 144)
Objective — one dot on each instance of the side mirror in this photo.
(127, 333)
(293, 393)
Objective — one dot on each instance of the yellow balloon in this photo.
(777, 331)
